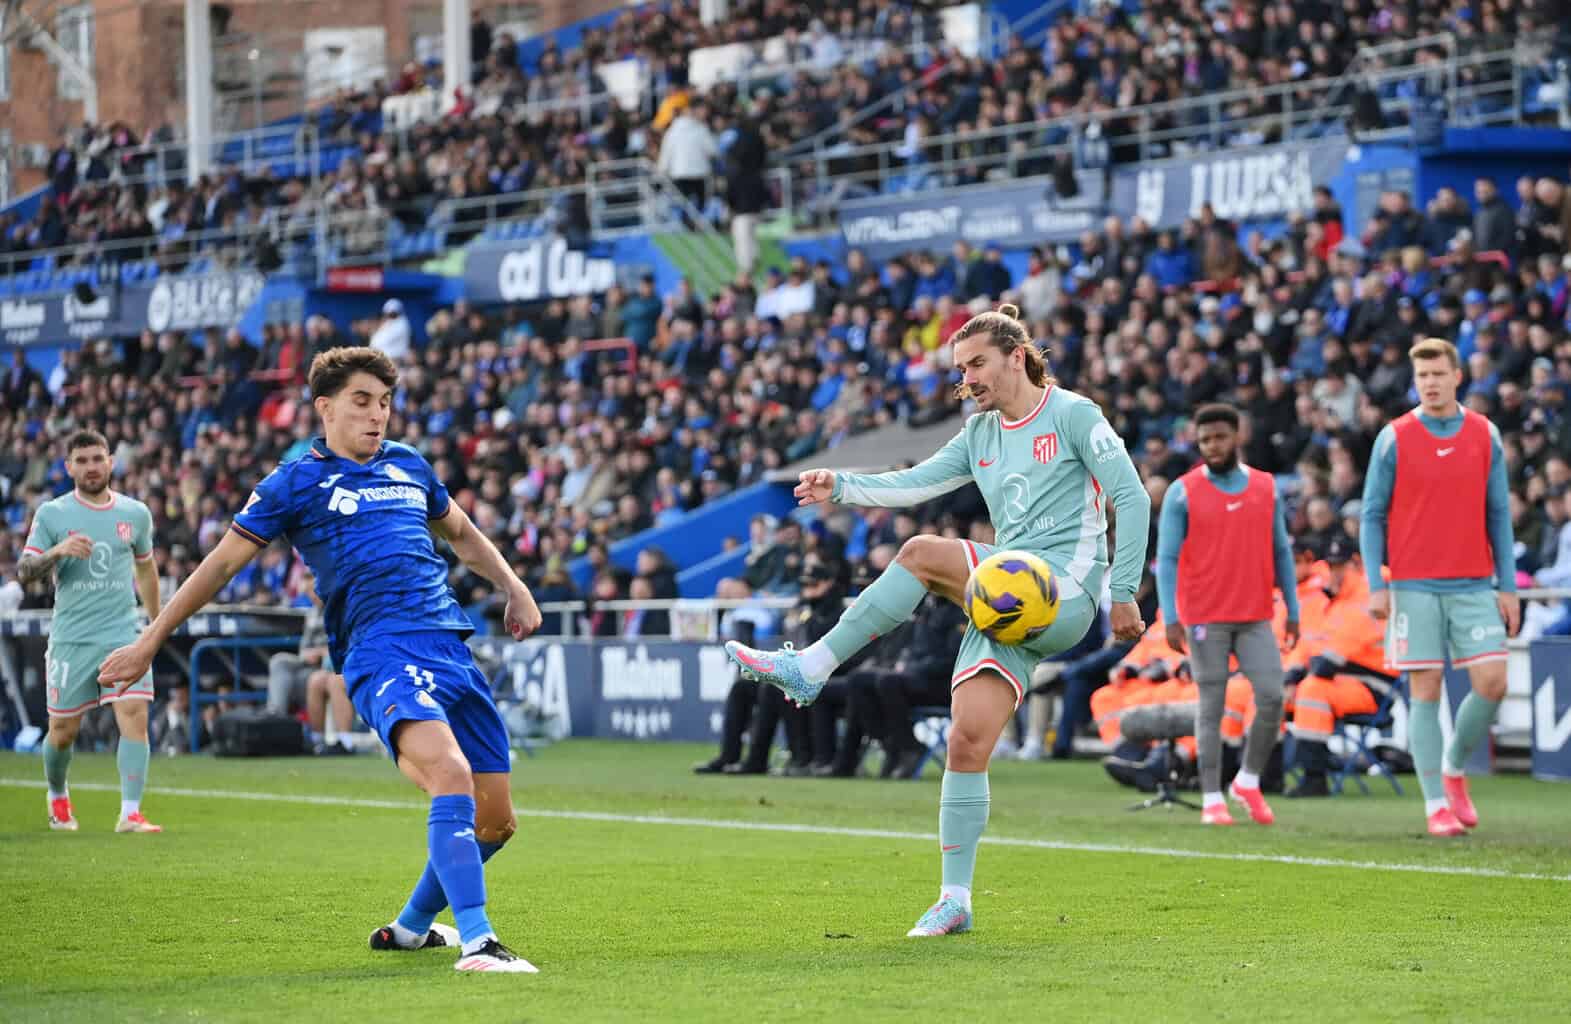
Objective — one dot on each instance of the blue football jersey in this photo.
(364, 532)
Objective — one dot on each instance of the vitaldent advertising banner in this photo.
(534, 270)
(1012, 216)
(1263, 183)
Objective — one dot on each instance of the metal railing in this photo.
(172, 253)
(626, 196)
(1472, 89)
(159, 165)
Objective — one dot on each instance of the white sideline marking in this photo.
(833, 830)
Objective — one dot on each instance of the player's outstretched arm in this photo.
(474, 549)
(132, 661)
(944, 471)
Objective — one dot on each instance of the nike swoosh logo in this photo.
(947, 849)
(463, 833)
(1443, 452)
(984, 463)
(756, 664)
(1234, 506)
(383, 688)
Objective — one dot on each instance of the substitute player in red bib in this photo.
(1437, 511)
(1221, 546)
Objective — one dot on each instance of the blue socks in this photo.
(962, 815)
(455, 860)
(428, 899)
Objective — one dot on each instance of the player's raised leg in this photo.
(131, 756)
(982, 706)
(924, 563)
(59, 743)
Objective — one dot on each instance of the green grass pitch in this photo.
(645, 893)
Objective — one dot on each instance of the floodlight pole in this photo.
(455, 51)
(198, 88)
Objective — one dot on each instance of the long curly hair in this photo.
(1007, 333)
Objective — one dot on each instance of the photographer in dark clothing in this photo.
(913, 669)
(758, 710)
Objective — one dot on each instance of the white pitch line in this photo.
(834, 830)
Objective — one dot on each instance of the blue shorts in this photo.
(428, 677)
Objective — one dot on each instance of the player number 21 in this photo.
(422, 677)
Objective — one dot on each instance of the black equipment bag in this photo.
(250, 732)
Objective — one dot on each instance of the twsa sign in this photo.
(1262, 184)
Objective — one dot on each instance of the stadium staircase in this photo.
(708, 260)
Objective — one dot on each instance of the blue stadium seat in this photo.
(936, 717)
(1359, 756)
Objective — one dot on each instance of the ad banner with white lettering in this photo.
(1551, 668)
(190, 303)
(171, 303)
(53, 319)
(534, 270)
(645, 690)
(1263, 183)
(1013, 216)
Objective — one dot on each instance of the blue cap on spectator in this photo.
(1475, 296)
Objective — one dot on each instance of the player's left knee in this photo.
(132, 719)
(969, 749)
(1491, 685)
(497, 834)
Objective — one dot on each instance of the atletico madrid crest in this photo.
(124, 530)
(1044, 447)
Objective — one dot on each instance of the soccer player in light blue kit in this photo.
(96, 544)
(360, 509)
(1046, 462)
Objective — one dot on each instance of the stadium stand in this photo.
(870, 98)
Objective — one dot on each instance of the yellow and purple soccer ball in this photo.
(1012, 597)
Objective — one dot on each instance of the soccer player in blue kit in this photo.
(360, 509)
